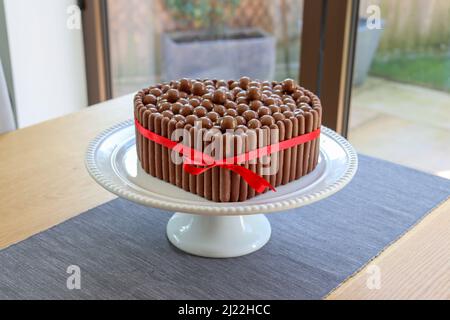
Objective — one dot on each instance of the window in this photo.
(400, 107)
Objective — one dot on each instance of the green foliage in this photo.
(430, 70)
(209, 15)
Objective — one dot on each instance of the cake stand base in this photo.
(218, 236)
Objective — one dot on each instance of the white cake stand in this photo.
(202, 227)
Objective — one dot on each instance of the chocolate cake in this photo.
(226, 120)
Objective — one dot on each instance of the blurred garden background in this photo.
(415, 46)
(401, 112)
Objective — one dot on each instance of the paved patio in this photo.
(402, 123)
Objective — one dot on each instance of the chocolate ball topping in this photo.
(200, 111)
(227, 104)
(228, 122)
(173, 95)
(267, 120)
(219, 97)
(254, 124)
(150, 99)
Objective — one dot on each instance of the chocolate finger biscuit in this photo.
(281, 130)
(294, 156)
(307, 148)
(313, 143)
(243, 188)
(236, 178)
(172, 168)
(165, 152)
(287, 153)
(252, 146)
(300, 147)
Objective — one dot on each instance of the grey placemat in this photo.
(122, 251)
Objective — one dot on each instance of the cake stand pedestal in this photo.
(218, 236)
(202, 227)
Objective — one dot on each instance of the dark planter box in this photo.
(241, 52)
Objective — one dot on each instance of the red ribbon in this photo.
(195, 158)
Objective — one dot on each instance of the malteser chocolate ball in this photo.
(254, 84)
(173, 95)
(228, 122)
(291, 106)
(190, 119)
(288, 114)
(254, 93)
(231, 112)
(165, 88)
(206, 123)
(194, 102)
(176, 107)
(254, 124)
(305, 108)
(164, 106)
(153, 110)
(230, 105)
(183, 101)
(249, 115)
(207, 104)
(150, 99)
(278, 92)
(255, 105)
(288, 85)
(219, 97)
(237, 90)
(185, 85)
(179, 117)
(198, 88)
(241, 128)
(277, 87)
(304, 99)
(266, 84)
(297, 94)
(242, 108)
(241, 94)
(186, 110)
(214, 116)
(284, 108)
(273, 108)
(221, 84)
(270, 101)
(234, 84)
(156, 92)
(267, 120)
(264, 111)
(219, 109)
(175, 84)
(200, 111)
(241, 120)
(278, 116)
(242, 100)
(208, 96)
(167, 114)
(243, 82)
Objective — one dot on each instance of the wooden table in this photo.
(44, 182)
